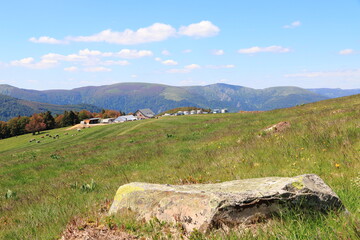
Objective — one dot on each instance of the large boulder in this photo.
(227, 204)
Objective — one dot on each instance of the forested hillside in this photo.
(12, 107)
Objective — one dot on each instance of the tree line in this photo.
(45, 121)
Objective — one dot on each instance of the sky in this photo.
(253, 43)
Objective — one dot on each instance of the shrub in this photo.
(10, 194)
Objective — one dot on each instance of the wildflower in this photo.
(337, 165)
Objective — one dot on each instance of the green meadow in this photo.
(50, 181)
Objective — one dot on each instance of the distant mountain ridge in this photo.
(12, 107)
(335, 92)
(129, 97)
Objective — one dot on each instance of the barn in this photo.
(126, 118)
(144, 113)
(92, 121)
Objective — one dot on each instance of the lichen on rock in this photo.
(228, 204)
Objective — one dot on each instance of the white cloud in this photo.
(218, 52)
(154, 33)
(192, 66)
(30, 63)
(165, 53)
(91, 57)
(85, 57)
(87, 52)
(327, 74)
(187, 51)
(112, 62)
(220, 66)
(199, 30)
(158, 59)
(185, 69)
(71, 69)
(293, 25)
(130, 53)
(25, 61)
(46, 39)
(67, 58)
(169, 62)
(228, 66)
(133, 76)
(97, 69)
(272, 49)
(346, 51)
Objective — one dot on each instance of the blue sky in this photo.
(68, 44)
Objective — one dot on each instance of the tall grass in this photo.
(323, 139)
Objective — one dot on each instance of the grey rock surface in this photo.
(227, 204)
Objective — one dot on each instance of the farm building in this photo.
(126, 118)
(107, 120)
(144, 113)
(92, 121)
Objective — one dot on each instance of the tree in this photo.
(65, 121)
(49, 120)
(84, 114)
(58, 121)
(36, 124)
(4, 130)
(110, 114)
(14, 127)
(69, 119)
(22, 121)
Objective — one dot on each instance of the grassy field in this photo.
(50, 177)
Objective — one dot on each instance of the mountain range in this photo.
(129, 97)
(12, 107)
(335, 92)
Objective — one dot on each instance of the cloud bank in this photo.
(155, 33)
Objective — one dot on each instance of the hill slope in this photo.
(323, 139)
(129, 97)
(12, 107)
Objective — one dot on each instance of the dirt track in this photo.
(81, 126)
